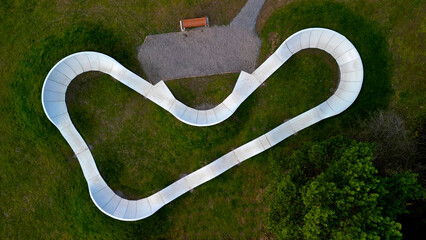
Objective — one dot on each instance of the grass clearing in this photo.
(203, 92)
(401, 24)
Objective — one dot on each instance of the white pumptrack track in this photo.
(61, 75)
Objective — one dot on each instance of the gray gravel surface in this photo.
(204, 51)
(247, 17)
(199, 52)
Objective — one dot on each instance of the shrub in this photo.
(394, 149)
(331, 190)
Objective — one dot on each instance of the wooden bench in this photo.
(195, 22)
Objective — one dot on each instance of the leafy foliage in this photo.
(332, 191)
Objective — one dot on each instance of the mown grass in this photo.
(365, 35)
(140, 148)
(211, 90)
(401, 24)
(43, 193)
(161, 141)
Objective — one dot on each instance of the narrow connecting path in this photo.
(247, 17)
(61, 75)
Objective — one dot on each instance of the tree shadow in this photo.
(366, 36)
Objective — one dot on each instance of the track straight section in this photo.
(61, 75)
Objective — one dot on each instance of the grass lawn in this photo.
(140, 148)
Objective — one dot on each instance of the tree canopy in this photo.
(331, 190)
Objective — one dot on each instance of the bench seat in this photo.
(194, 22)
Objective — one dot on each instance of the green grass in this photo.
(160, 149)
(365, 35)
(403, 24)
(139, 147)
(210, 91)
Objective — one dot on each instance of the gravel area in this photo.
(247, 17)
(199, 52)
(204, 51)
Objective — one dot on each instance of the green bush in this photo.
(331, 190)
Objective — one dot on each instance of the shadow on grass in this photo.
(32, 123)
(29, 77)
(27, 120)
(365, 35)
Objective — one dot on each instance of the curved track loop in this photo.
(60, 76)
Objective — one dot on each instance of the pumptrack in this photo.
(60, 76)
